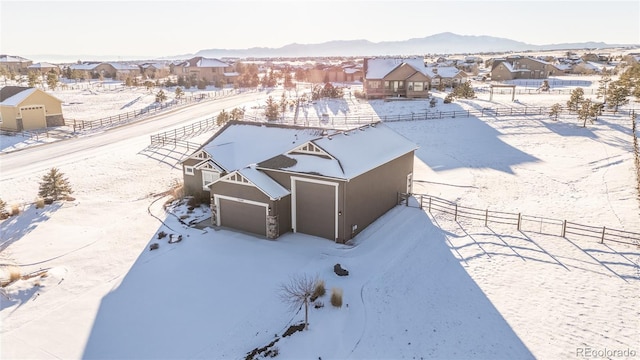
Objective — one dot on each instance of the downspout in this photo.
(344, 212)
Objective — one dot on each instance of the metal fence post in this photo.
(486, 216)
(519, 220)
(602, 238)
(564, 228)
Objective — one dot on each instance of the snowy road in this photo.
(38, 158)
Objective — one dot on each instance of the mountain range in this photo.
(443, 43)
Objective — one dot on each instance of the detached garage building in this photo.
(271, 179)
(25, 108)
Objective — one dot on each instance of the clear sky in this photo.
(167, 28)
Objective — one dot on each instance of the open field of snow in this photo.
(420, 286)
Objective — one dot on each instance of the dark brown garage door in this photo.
(316, 209)
(243, 216)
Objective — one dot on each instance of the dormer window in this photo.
(238, 179)
(309, 148)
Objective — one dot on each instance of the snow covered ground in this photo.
(420, 286)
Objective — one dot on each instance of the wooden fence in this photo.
(522, 222)
(79, 125)
(337, 121)
(636, 149)
(176, 136)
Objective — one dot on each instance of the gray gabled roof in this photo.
(9, 91)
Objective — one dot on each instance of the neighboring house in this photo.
(518, 67)
(111, 70)
(44, 67)
(211, 70)
(85, 70)
(15, 64)
(154, 70)
(270, 179)
(25, 108)
(410, 78)
(349, 73)
(122, 70)
(446, 76)
(388, 77)
(589, 68)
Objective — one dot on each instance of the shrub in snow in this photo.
(319, 290)
(3, 211)
(39, 203)
(9, 274)
(336, 297)
(15, 210)
(448, 99)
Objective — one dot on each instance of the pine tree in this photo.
(283, 103)
(271, 112)
(577, 98)
(149, 84)
(161, 96)
(223, 118)
(52, 79)
(630, 79)
(605, 78)
(555, 111)
(179, 93)
(237, 114)
(288, 81)
(32, 78)
(617, 96)
(464, 91)
(589, 111)
(54, 185)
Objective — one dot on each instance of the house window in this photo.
(188, 170)
(418, 86)
(374, 84)
(208, 177)
(386, 85)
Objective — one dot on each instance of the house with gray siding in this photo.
(269, 179)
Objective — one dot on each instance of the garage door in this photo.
(315, 209)
(33, 117)
(243, 216)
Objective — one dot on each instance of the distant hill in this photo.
(443, 43)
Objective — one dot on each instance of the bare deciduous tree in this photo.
(298, 293)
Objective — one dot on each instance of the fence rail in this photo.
(79, 125)
(334, 121)
(542, 225)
